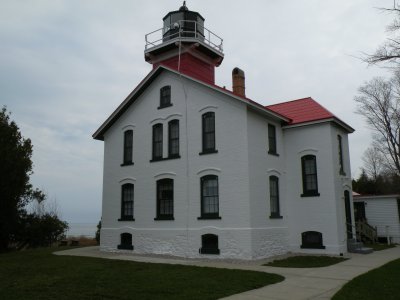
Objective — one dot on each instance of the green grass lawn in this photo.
(381, 283)
(306, 261)
(38, 274)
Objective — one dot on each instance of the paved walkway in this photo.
(305, 283)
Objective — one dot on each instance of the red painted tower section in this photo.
(191, 66)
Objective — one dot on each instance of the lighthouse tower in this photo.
(184, 44)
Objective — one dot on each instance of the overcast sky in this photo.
(66, 65)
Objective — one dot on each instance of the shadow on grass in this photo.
(37, 274)
(306, 261)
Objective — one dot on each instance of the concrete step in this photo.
(352, 244)
(362, 250)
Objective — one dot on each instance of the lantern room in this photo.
(184, 44)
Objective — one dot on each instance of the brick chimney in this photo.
(238, 82)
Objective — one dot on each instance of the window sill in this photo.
(273, 153)
(204, 152)
(209, 251)
(127, 164)
(125, 247)
(275, 217)
(311, 247)
(126, 219)
(209, 218)
(165, 158)
(164, 218)
(164, 106)
(342, 173)
(314, 194)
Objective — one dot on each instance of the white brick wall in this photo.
(243, 167)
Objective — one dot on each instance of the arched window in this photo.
(126, 241)
(127, 202)
(165, 199)
(208, 132)
(165, 96)
(209, 244)
(310, 181)
(274, 196)
(128, 146)
(173, 138)
(157, 141)
(209, 197)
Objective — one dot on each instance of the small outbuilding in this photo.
(381, 212)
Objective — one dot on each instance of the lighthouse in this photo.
(186, 45)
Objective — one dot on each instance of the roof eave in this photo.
(99, 134)
(335, 120)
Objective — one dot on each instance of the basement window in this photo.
(311, 240)
(126, 241)
(209, 244)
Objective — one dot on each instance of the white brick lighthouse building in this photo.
(192, 169)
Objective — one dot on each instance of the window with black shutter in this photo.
(157, 141)
(127, 191)
(209, 197)
(173, 139)
(165, 199)
(310, 180)
(208, 133)
(128, 147)
(274, 197)
(272, 139)
(165, 97)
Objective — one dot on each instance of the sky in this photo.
(65, 65)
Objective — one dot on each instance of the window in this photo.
(274, 196)
(208, 120)
(127, 202)
(165, 97)
(209, 244)
(272, 139)
(126, 241)
(165, 199)
(340, 155)
(309, 170)
(312, 240)
(157, 141)
(209, 197)
(128, 144)
(173, 138)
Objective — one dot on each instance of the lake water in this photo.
(85, 229)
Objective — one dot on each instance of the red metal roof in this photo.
(302, 110)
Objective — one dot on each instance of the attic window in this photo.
(272, 139)
(165, 97)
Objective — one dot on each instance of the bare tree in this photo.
(379, 102)
(389, 51)
(373, 162)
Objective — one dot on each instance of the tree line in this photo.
(24, 219)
